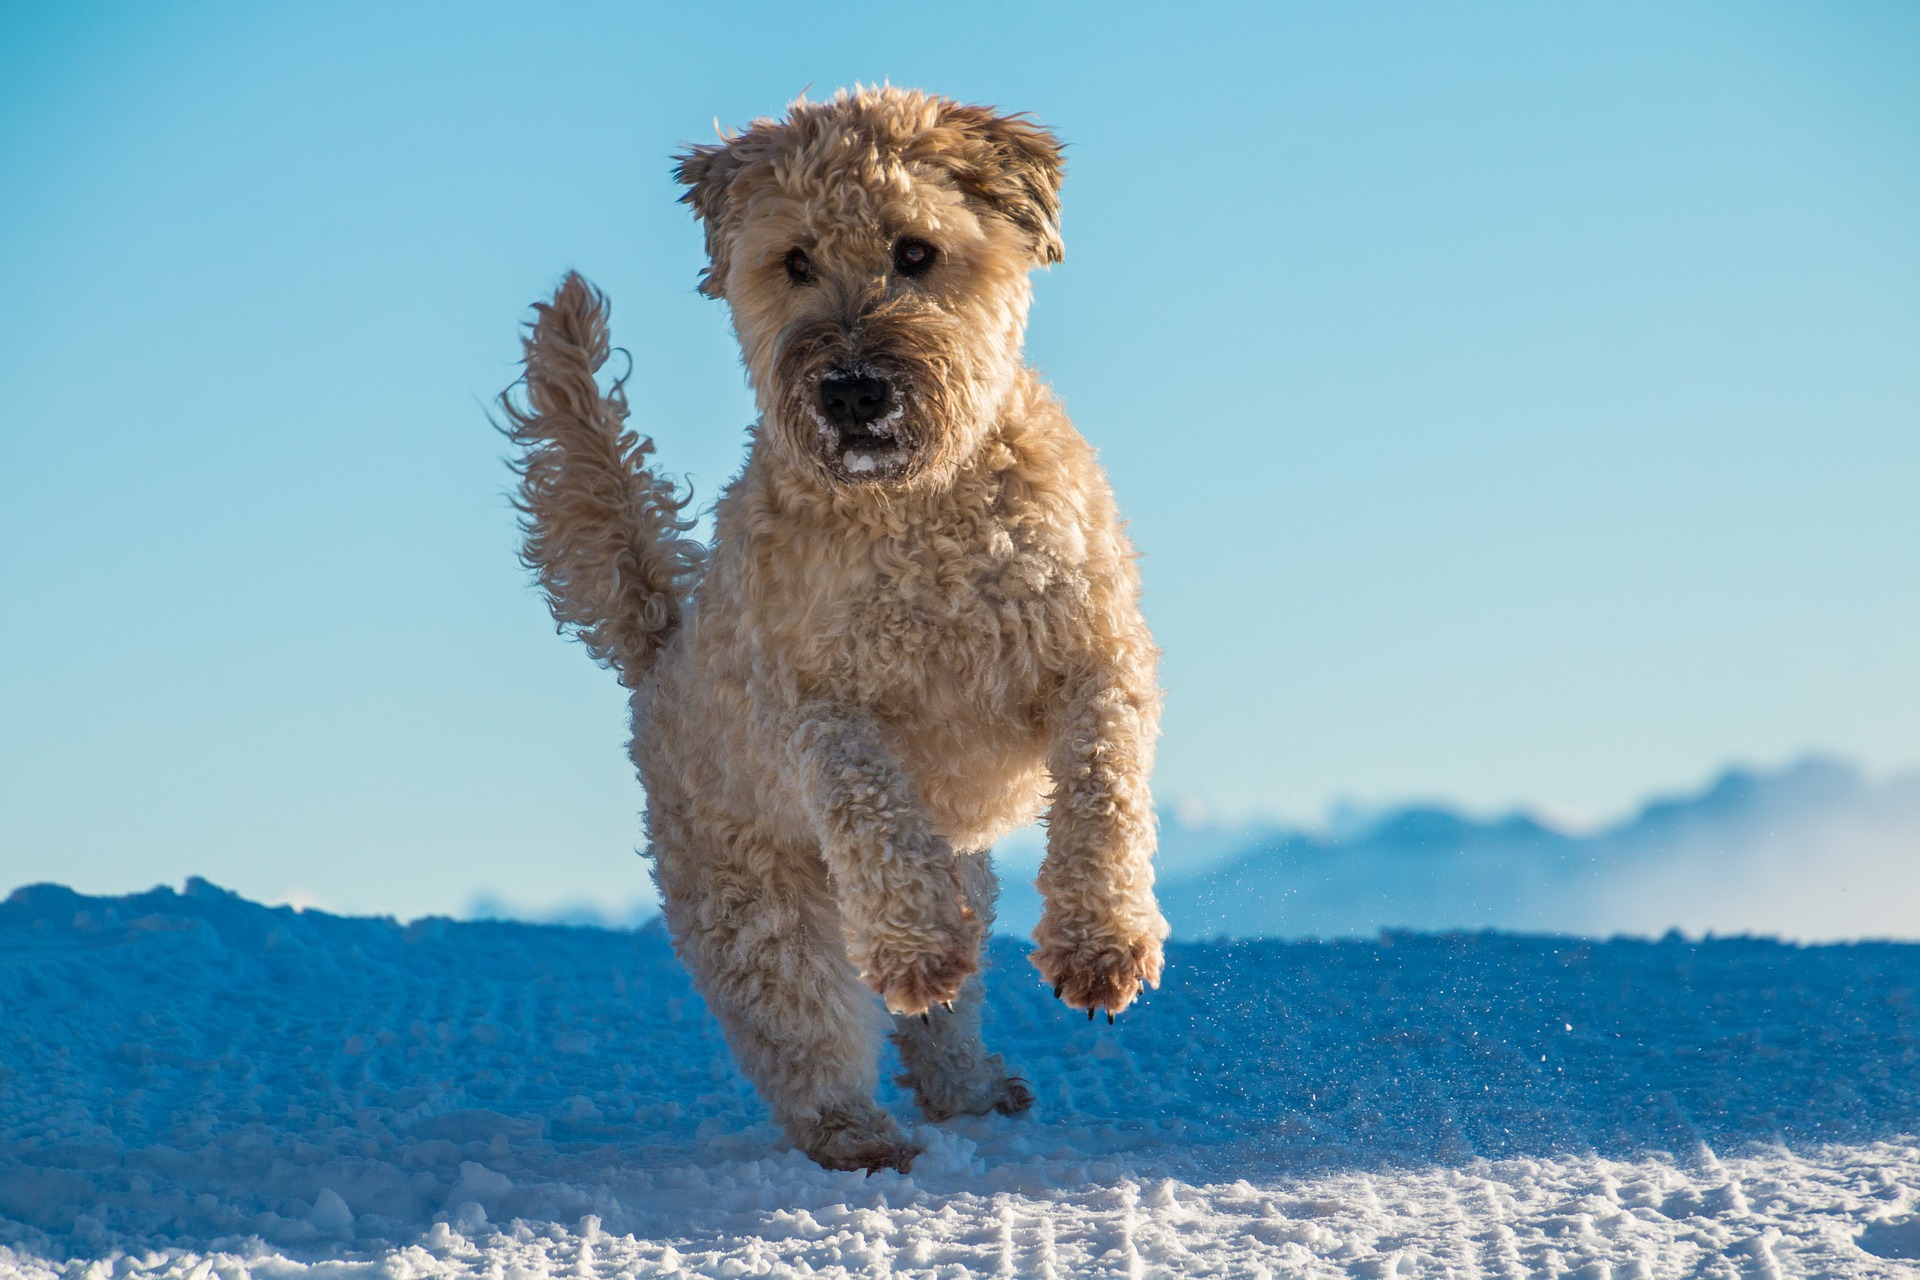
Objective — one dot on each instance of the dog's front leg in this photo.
(909, 931)
(1101, 931)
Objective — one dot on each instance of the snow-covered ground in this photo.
(194, 1085)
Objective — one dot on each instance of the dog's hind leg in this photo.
(947, 1064)
(757, 927)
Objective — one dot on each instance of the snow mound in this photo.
(194, 1085)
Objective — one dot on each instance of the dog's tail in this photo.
(604, 534)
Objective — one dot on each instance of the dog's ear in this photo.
(707, 172)
(1014, 166)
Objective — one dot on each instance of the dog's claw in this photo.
(1016, 1097)
(947, 1005)
(1056, 991)
(926, 1018)
(1089, 1015)
(1109, 1017)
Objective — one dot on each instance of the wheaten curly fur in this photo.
(601, 530)
(914, 631)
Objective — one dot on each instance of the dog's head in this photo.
(875, 251)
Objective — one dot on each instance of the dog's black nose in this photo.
(853, 400)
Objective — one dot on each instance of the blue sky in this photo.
(1514, 404)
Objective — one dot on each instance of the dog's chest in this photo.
(961, 630)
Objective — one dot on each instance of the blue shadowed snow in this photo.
(214, 1079)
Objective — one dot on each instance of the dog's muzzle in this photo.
(864, 414)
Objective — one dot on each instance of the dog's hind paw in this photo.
(987, 1089)
(855, 1136)
(1016, 1097)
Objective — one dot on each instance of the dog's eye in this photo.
(799, 266)
(912, 257)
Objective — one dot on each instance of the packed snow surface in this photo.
(194, 1085)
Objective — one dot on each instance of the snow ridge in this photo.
(1814, 851)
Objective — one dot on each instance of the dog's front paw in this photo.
(1098, 970)
(913, 970)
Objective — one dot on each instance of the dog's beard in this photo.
(915, 435)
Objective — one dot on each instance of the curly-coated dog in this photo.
(917, 626)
